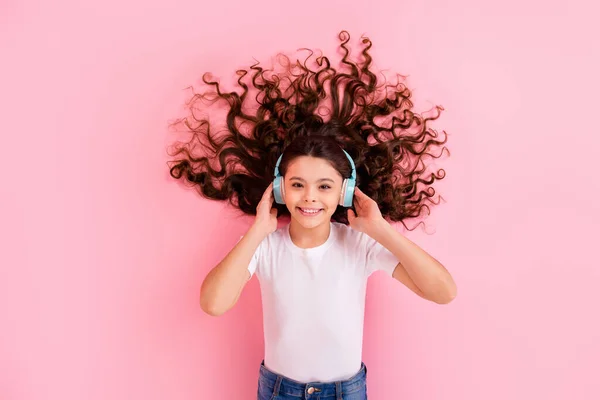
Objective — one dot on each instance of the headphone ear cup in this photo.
(342, 201)
(348, 192)
(278, 190)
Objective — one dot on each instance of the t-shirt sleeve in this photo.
(379, 258)
(254, 261)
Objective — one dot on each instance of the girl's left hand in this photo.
(368, 212)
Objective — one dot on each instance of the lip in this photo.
(311, 214)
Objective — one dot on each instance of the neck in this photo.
(309, 237)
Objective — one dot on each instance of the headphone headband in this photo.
(352, 173)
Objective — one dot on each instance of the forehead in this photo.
(312, 167)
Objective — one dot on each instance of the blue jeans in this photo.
(272, 386)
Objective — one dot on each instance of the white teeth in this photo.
(309, 211)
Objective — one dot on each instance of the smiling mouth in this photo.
(310, 211)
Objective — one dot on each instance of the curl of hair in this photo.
(373, 121)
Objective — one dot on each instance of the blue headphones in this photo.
(346, 195)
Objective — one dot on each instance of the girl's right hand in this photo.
(266, 215)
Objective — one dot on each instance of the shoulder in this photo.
(351, 238)
(275, 239)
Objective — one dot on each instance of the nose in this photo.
(309, 196)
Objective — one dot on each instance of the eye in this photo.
(296, 185)
(325, 187)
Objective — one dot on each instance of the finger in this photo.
(351, 216)
(359, 201)
(363, 199)
(359, 195)
(268, 191)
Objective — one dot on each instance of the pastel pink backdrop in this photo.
(103, 255)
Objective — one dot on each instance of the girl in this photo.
(338, 178)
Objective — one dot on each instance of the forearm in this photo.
(429, 275)
(223, 284)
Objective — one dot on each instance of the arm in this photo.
(224, 283)
(417, 270)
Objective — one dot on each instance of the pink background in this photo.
(103, 255)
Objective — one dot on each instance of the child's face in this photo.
(312, 190)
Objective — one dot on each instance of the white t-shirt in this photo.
(314, 300)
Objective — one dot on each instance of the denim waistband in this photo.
(286, 386)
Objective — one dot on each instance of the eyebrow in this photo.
(320, 180)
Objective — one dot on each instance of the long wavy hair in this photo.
(310, 108)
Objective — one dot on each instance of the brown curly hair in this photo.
(374, 123)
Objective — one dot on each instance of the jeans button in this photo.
(311, 390)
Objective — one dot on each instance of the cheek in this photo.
(333, 198)
(292, 196)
